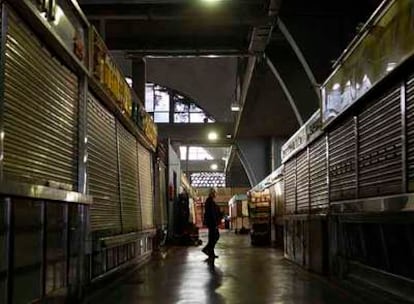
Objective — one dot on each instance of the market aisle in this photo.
(241, 274)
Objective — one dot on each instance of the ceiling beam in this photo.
(299, 55)
(285, 91)
(251, 63)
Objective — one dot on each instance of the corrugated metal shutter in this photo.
(302, 176)
(163, 194)
(157, 196)
(146, 187)
(342, 154)
(410, 131)
(379, 133)
(318, 181)
(290, 186)
(40, 112)
(131, 212)
(103, 169)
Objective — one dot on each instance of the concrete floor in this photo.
(241, 274)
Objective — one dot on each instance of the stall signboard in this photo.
(107, 73)
(295, 143)
(62, 20)
(310, 130)
(384, 43)
(150, 129)
(314, 126)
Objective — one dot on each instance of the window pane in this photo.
(180, 107)
(208, 179)
(161, 117)
(181, 117)
(194, 108)
(162, 101)
(183, 152)
(149, 98)
(197, 117)
(199, 153)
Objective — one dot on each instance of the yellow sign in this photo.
(150, 129)
(107, 73)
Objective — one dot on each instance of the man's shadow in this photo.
(214, 282)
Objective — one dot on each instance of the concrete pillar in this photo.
(139, 77)
(275, 154)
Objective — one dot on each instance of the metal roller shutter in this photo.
(342, 158)
(157, 196)
(318, 175)
(163, 194)
(410, 131)
(379, 145)
(128, 159)
(290, 186)
(40, 112)
(146, 187)
(302, 186)
(102, 168)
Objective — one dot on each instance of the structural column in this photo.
(139, 77)
(275, 152)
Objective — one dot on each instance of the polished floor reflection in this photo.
(241, 274)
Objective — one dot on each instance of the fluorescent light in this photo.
(391, 66)
(212, 136)
(235, 108)
(336, 86)
(228, 136)
(214, 167)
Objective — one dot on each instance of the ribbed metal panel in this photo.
(131, 211)
(290, 186)
(342, 159)
(302, 183)
(410, 131)
(146, 187)
(103, 169)
(40, 112)
(163, 194)
(159, 196)
(380, 152)
(318, 175)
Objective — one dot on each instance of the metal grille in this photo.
(146, 187)
(40, 112)
(410, 131)
(302, 186)
(290, 186)
(318, 175)
(342, 158)
(128, 159)
(379, 159)
(103, 168)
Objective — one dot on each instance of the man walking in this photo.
(211, 220)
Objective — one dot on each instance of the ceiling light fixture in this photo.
(235, 107)
(214, 167)
(212, 136)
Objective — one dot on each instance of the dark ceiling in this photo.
(180, 27)
(294, 41)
